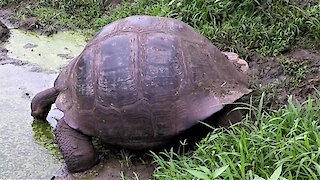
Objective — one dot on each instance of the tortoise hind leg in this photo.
(229, 116)
(41, 103)
(76, 148)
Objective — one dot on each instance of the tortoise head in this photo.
(41, 103)
(38, 112)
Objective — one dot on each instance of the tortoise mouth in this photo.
(40, 113)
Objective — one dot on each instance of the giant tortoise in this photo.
(138, 83)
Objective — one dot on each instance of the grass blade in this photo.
(198, 174)
(276, 174)
(219, 171)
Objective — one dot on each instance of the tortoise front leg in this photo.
(41, 103)
(76, 148)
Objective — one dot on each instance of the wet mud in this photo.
(115, 163)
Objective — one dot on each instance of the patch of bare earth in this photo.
(298, 75)
(117, 164)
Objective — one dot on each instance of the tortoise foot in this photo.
(76, 148)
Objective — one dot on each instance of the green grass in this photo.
(267, 27)
(245, 26)
(4, 3)
(297, 70)
(284, 143)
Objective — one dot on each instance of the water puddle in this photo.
(51, 53)
(20, 156)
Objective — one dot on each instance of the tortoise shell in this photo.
(141, 80)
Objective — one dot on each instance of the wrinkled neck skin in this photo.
(41, 103)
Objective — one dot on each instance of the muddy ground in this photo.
(294, 73)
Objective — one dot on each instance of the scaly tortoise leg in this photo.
(229, 116)
(77, 148)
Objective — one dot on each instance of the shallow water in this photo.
(51, 53)
(20, 156)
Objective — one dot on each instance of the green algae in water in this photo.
(49, 52)
(21, 157)
(43, 135)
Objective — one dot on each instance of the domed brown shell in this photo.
(142, 80)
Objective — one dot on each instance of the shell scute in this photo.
(115, 70)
